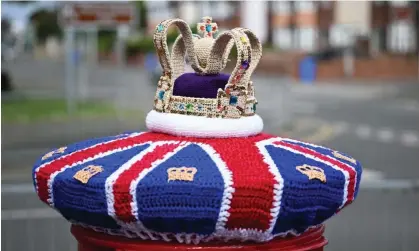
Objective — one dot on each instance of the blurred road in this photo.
(376, 123)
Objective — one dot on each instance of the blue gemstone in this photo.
(245, 64)
(181, 106)
(254, 107)
(160, 27)
(208, 28)
(233, 100)
(161, 95)
(199, 107)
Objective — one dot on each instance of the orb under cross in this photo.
(207, 27)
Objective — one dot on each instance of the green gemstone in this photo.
(254, 107)
(189, 107)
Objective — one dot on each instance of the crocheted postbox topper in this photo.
(206, 103)
(204, 171)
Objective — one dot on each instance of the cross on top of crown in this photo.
(207, 28)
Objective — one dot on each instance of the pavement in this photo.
(376, 123)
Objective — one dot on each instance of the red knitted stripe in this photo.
(340, 165)
(121, 189)
(254, 186)
(44, 173)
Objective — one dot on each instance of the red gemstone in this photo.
(237, 78)
(214, 28)
(228, 91)
(202, 28)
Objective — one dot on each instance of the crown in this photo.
(312, 172)
(52, 153)
(87, 172)
(181, 173)
(218, 103)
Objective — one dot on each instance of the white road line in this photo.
(363, 131)
(29, 214)
(341, 127)
(410, 139)
(385, 135)
(369, 175)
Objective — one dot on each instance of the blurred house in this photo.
(382, 36)
(225, 13)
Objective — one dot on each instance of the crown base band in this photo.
(203, 127)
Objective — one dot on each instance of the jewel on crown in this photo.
(208, 56)
(181, 173)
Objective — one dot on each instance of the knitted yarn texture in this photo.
(162, 187)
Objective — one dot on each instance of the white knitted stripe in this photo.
(279, 181)
(227, 176)
(305, 143)
(203, 127)
(72, 153)
(51, 179)
(110, 181)
(134, 183)
(97, 156)
(309, 156)
(332, 157)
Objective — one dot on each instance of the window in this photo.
(282, 7)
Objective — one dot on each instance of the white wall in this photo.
(254, 16)
(356, 14)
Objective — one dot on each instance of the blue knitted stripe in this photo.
(76, 147)
(182, 206)
(87, 202)
(305, 203)
(329, 152)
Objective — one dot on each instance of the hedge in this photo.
(146, 45)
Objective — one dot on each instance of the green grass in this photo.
(32, 110)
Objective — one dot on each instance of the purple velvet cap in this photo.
(198, 86)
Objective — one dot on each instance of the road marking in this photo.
(410, 139)
(369, 175)
(29, 214)
(385, 135)
(363, 131)
(391, 184)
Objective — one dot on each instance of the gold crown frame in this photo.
(207, 56)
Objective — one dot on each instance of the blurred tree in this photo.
(270, 22)
(46, 24)
(5, 27)
(293, 24)
(142, 12)
(415, 5)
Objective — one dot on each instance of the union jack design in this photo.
(243, 188)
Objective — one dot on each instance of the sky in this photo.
(19, 14)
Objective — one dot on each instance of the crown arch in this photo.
(222, 48)
(184, 45)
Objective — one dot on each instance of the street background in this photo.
(375, 120)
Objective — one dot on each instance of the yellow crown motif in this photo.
(312, 172)
(87, 172)
(341, 156)
(50, 154)
(181, 173)
(207, 56)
